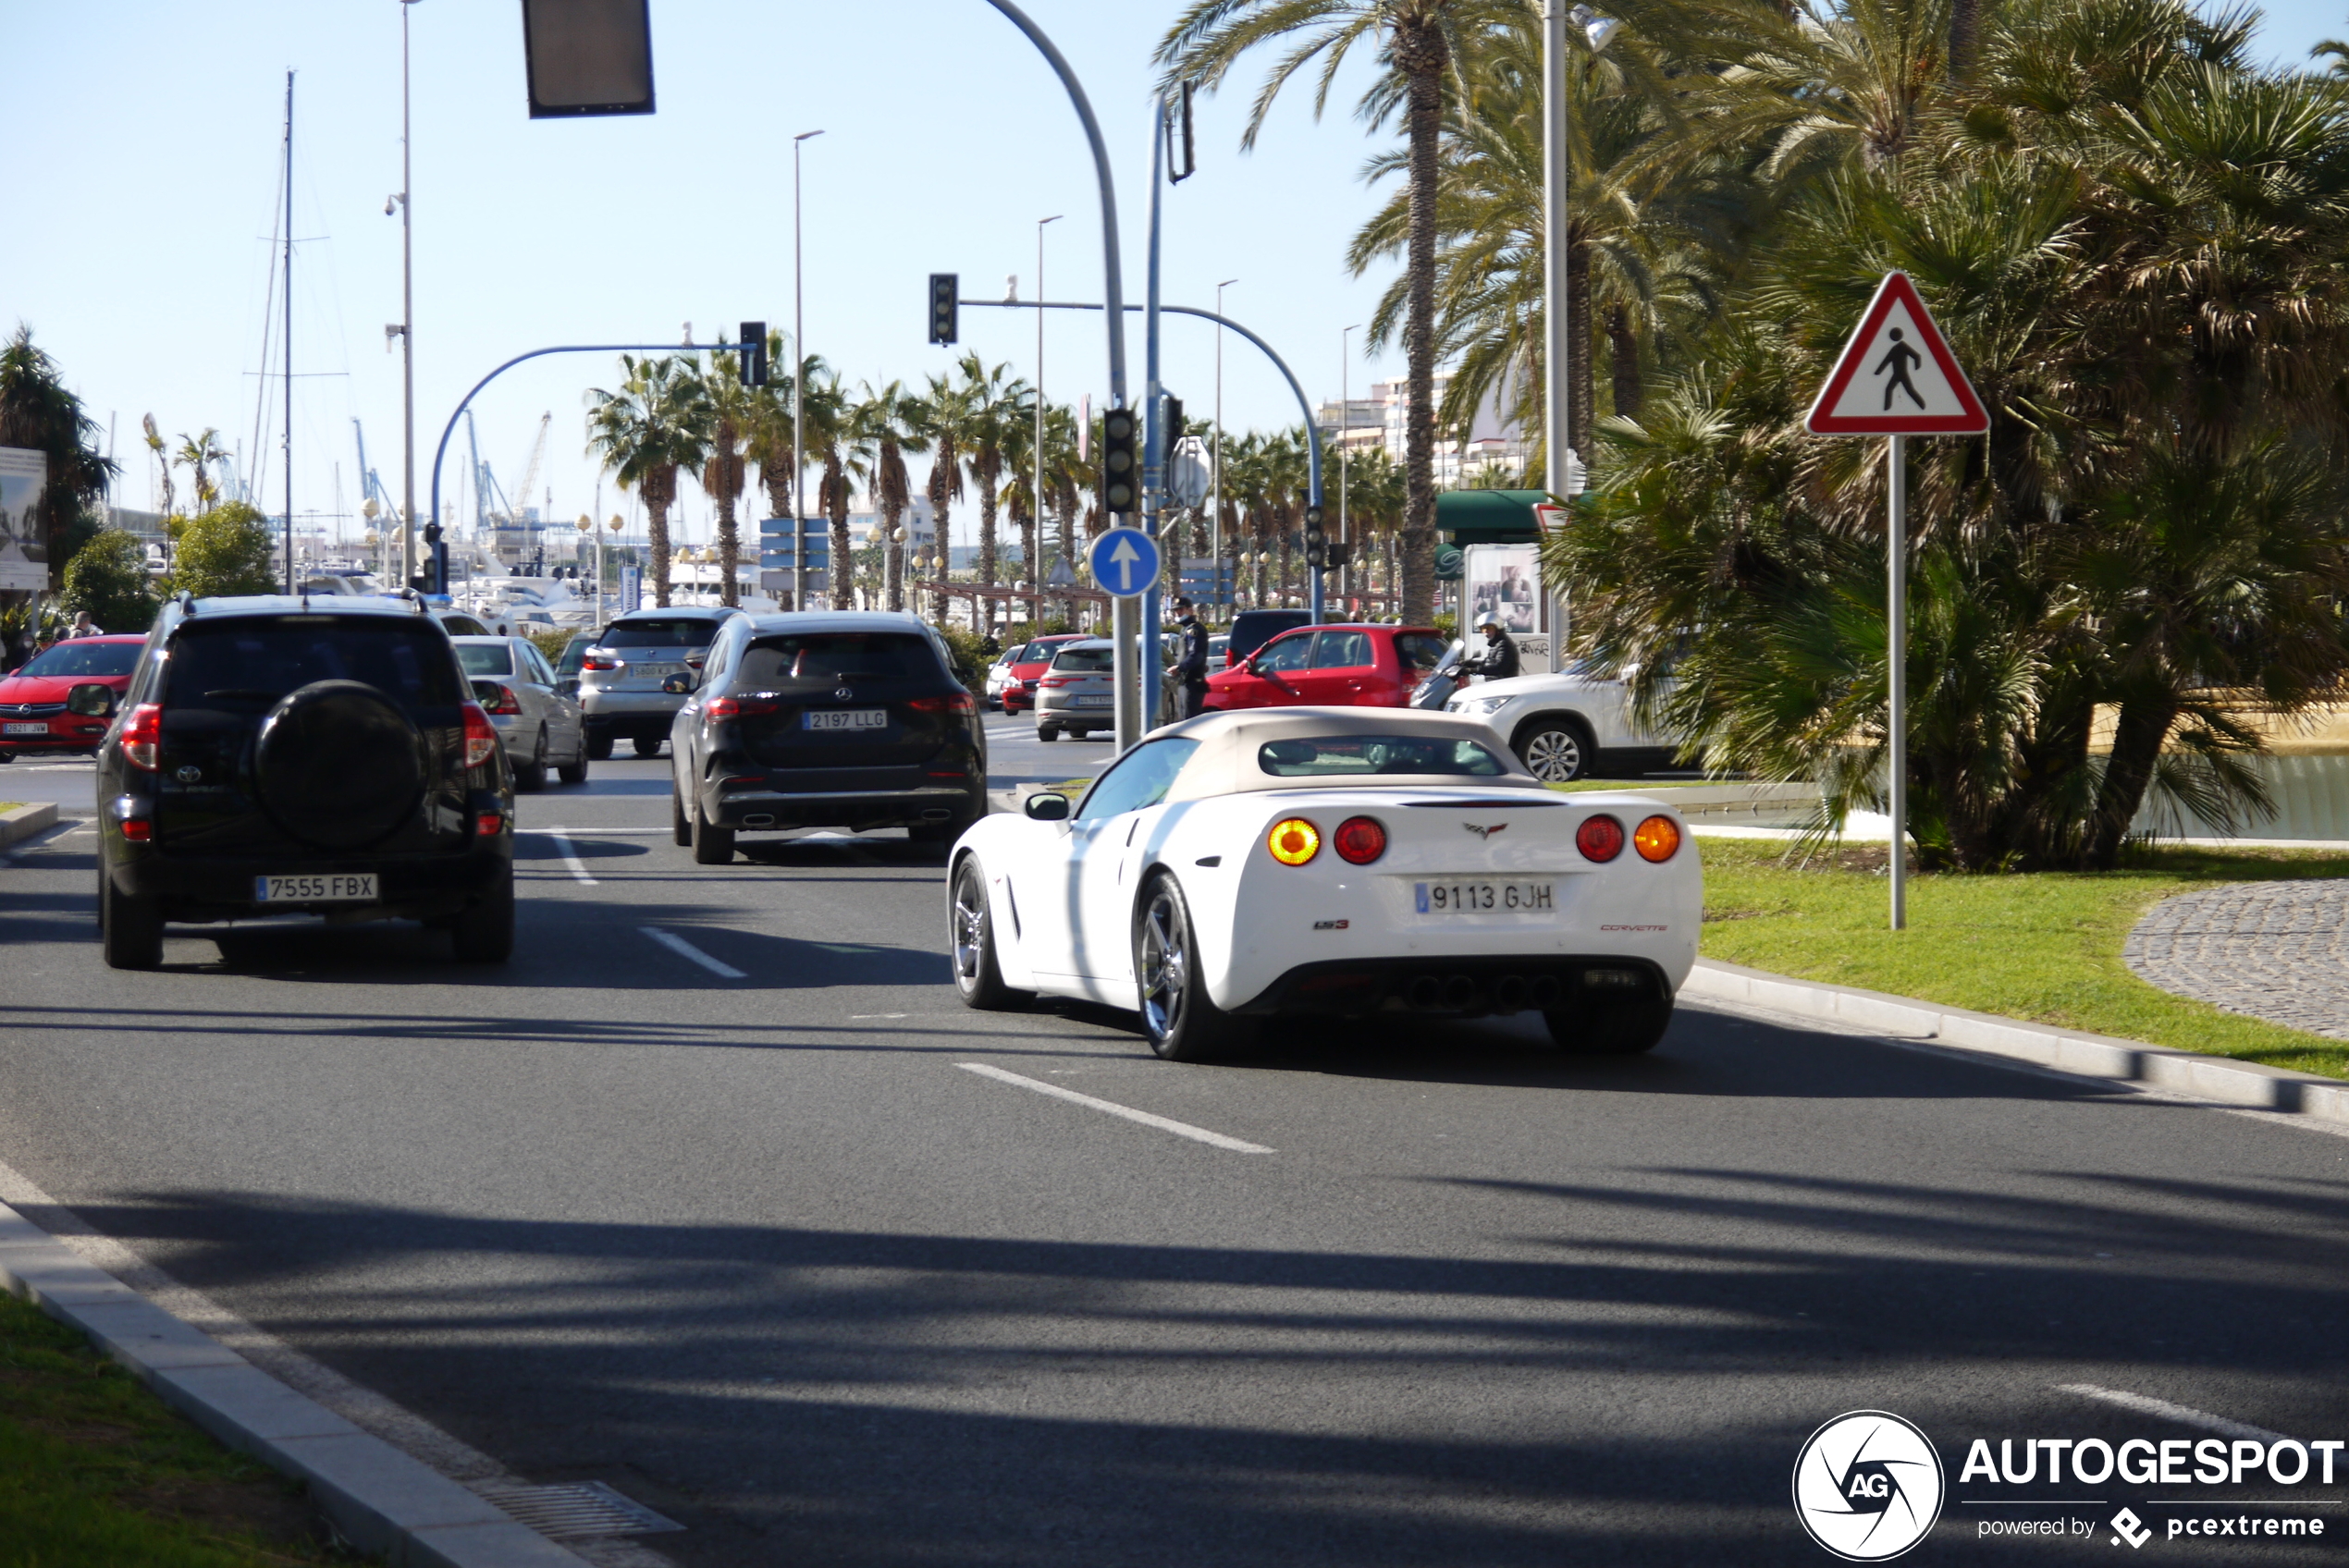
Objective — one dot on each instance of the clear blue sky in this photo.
(144, 140)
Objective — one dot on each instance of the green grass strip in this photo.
(94, 1469)
(2044, 947)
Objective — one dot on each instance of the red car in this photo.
(1358, 666)
(1029, 665)
(48, 705)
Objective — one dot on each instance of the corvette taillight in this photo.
(1360, 840)
(481, 737)
(142, 736)
(1294, 840)
(1599, 838)
(1657, 839)
(502, 700)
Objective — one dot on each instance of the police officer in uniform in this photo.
(1192, 671)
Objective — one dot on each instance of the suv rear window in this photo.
(825, 657)
(261, 658)
(1090, 661)
(682, 632)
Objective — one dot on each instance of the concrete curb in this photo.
(25, 821)
(385, 1502)
(2065, 1050)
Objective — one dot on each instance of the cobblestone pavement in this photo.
(2271, 949)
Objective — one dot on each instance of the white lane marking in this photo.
(684, 948)
(855, 1016)
(570, 858)
(1164, 1124)
(582, 832)
(2185, 1414)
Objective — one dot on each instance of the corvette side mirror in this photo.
(91, 700)
(1047, 808)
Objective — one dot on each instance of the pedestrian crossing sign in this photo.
(1896, 376)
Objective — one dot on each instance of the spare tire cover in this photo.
(339, 765)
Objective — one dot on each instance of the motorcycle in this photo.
(1436, 687)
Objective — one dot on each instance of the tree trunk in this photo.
(1030, 539)
(1624, 343)
(1580, 388)
(2137, 739)
(991, 468)
(657, 536)
(843, 595)
(1966, 18)
(893, 559)
(1419, 51)
(942, 503)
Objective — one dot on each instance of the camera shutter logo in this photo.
(1868, 1486)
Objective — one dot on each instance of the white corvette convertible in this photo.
(1338, 861)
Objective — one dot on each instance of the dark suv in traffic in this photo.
(279, 756)
(838, 719)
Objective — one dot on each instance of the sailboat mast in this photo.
(288, 335)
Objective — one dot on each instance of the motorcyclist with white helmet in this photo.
(1497, 659)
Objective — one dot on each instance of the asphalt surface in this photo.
(760, 1253)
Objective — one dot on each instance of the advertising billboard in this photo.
(24, 551)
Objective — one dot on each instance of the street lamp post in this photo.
(1036, 499)
(407, 320)
(799, 401)
(1344, 427)
(1230, 601)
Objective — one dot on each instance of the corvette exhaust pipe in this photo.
(1543, 995)
(1459, 993)
(1424, 993)
(1509, 994)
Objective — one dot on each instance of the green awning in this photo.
(1490, 517)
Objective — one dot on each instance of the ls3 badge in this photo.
(1868, 1486)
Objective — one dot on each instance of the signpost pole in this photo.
(1896, 663)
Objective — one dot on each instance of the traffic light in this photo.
(1340, 554)
(1120, 469)
(946, 299)
(1317, 542)
(1172, 406)
(754, 353)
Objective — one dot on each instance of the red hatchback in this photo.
(63, 699)
(1358, 666)
(1029, 667)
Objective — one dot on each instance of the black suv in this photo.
(838, 719)
(287, 755)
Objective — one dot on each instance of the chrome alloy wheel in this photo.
(970, 928)
(1165, 964)
(1555, 756)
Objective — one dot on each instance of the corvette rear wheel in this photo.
(1181, 1019)
(979, 979)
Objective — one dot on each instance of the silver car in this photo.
(1077, 694)
(624, 680)
(539, 725)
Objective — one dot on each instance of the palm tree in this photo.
(825, 422)
(1417, 42)
(882, 427)
(1066, 476)
(1000, 404)
(946, 415)
(656, 424)
(162, 451)
(729, 412)
(200, 452)
(37, 410)
(768, 434)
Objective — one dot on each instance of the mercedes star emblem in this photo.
(841, 694)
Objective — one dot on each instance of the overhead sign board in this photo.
(1896, 376)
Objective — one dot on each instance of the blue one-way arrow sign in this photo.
(1125, 562)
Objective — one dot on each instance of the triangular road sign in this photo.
(1896, 376)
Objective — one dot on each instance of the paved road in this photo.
(759, 1251)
